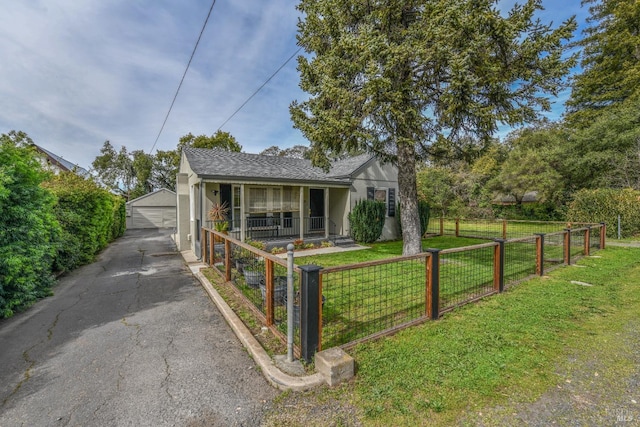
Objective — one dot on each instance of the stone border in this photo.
(272, 373)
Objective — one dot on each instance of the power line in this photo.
(183, 76)
(260, 88)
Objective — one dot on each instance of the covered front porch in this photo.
(278, 212)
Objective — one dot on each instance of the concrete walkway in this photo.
(131, 339)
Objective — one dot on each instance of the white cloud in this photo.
(76, 73)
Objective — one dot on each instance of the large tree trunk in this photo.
(408, 195)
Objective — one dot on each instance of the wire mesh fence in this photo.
(496, 228)
(259, 277)
(466, 274)
(520, 259)
(368, 298)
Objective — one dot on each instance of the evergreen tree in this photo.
(610, 60)
(392, 77)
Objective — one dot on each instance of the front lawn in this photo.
(485, 362)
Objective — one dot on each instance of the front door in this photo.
(225, 197)
(316, 205)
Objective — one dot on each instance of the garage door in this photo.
(153, 217)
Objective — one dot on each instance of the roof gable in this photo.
(62, 163)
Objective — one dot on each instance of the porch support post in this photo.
(303, 212)
(326, 213)
(243, 222)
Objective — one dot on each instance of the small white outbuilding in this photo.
(153, 210)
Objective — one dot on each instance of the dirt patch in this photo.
(593, 389)
(314, 409)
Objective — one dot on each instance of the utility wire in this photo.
(183, 76)
(260, 88)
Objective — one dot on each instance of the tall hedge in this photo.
(604, 205)
(28, 227)
(90, 216)
(366, 220)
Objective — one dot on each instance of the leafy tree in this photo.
(606, 154)
(115, 169)
(165, 167)
(533, 163)
(222, 140)
(295, 152)
(28, 227)
(142, 166)
(610, 60)
(393, 77)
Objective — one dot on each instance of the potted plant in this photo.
(218, 214)
(242, 258)
(279, 290)
(254, 274)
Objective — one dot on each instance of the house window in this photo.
(384, 195)
(290, 199)
(265, 200)
(257, 200)
(236, 206)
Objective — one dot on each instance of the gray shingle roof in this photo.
(212, 163)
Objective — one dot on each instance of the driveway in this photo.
(130, 340)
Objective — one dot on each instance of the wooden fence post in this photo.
(227, 259)
(540, 254)
(269, 291)
(441, 226)
(457, 227)
(203, 246)
(587, 241)
(603, 234)
(504, 229)
(433, 284)
(212, 249)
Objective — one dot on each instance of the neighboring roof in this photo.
(153, 193)
(529, 197)
(62, 163)
(213, 163)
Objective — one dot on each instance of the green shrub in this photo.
(28, 227)
(424, 213)
(367, 220)
(604, 205)
(91, 217)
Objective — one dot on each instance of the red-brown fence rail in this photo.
(259, 277)
(497, 228)
(363, 301)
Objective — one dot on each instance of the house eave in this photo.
(266, 181)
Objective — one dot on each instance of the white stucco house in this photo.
(271, 197)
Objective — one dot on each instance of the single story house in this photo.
(153, 210)
(272, 197)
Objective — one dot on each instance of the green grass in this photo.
(371, 299)
(383, 250)
(497, 356)
(504, 345)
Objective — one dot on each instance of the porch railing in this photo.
(267, 228)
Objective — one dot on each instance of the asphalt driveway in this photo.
(130, 340)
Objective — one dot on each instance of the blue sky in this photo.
(76, 73)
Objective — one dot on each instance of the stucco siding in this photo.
(380, 177)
